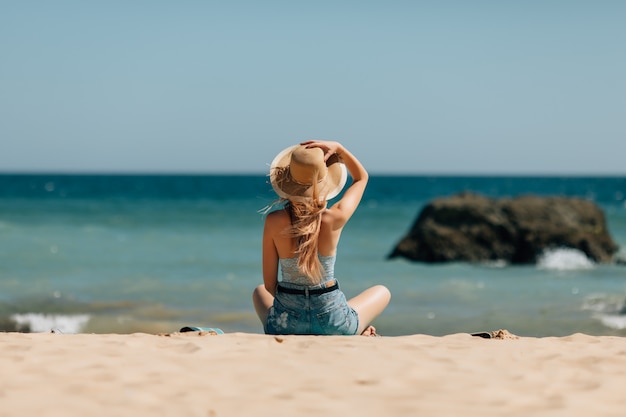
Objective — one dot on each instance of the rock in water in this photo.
(473, 228)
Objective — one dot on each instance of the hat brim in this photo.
(329, 187)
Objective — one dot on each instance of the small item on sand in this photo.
(496, 334)
(203, 330)
(484, 335)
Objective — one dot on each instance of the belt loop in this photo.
(306, 292)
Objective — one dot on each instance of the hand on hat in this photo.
(329, 148)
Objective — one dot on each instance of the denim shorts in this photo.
(317, 314)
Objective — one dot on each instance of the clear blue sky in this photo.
(423, 87)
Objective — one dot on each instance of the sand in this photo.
(240, 374)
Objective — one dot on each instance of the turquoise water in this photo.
(155, 253)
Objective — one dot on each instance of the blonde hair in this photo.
(306, 221)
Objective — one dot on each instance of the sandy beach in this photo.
(241, 374)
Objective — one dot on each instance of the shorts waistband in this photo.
(332, 286)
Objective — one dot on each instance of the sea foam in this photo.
(564, 259)
(610, 309)
(613, 321)
(40, 323)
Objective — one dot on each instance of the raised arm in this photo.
(351, 198)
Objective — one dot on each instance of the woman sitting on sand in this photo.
(302, 238)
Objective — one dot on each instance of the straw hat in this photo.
(295, 169)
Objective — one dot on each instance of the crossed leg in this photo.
(369, 304)
(262, 300)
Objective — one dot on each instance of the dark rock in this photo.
(473, 228)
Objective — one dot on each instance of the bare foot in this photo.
(369, 331)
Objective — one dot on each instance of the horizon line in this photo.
(253, 173)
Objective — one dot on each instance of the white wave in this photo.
(609, 309)
(614, 321)
(605, 303)
(41, 323)
(564, 259)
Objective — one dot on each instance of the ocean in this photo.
(153, 253)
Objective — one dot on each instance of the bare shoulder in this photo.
(276, 223)
(277, 219)
(334, 218)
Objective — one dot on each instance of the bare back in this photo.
(279, 221)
